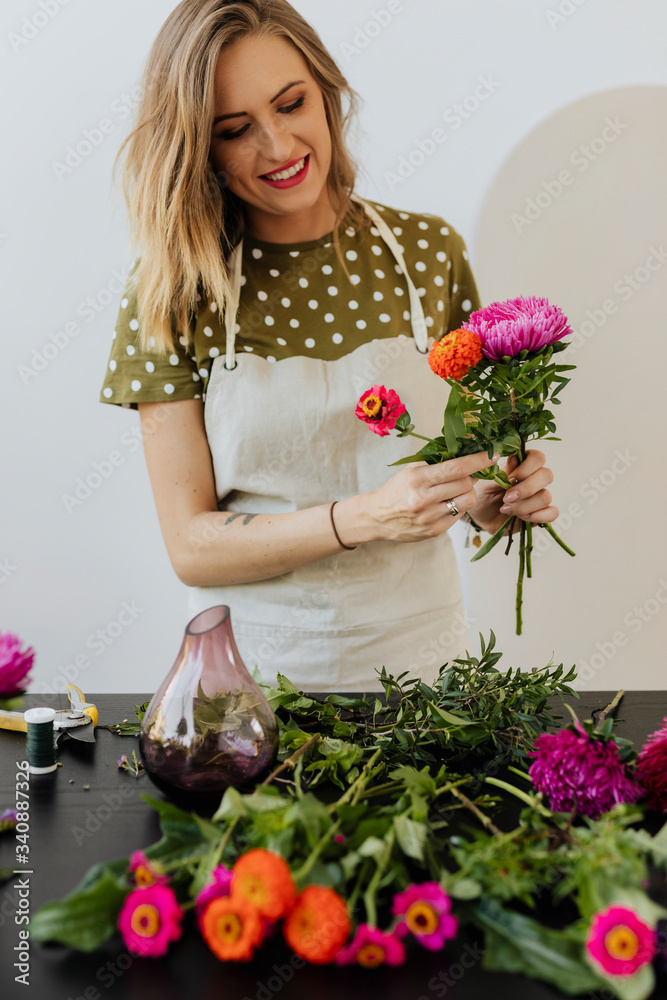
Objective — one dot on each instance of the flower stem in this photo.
(519, 583)
(610, 708)
(557, 539)
(482, 817)
(371, 891)
(353, 792)
(524, 796)
(529, 549)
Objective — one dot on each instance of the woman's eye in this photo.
(233, 135)
(292, 107)
(287, 110)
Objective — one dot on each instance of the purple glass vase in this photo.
(208, 726)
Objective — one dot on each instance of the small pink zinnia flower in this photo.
(425, 912)
(652, 768)
(521, 324)
(380, 408)
(218, 885)
(574, 770)
(370, 947)
(619, 942)
(146, 872)
(149, 920)
(14, 665)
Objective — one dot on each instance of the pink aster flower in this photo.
(507, 328)
(380, 408)
(146, 872)
(424, 910)
(149, 920)
(370, 947)
(652, 768)
(8, 820)
(218, 885)
(574, 770)
(619, 942)
(14, 665)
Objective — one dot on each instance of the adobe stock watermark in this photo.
(87, 310)
(94, 819)
(563, 12)
(34, 23)
(635, 620)
(555, 187)
(97, 642)
(107, 975)
(591, 491)
(454, 117)
(438, 650)
(92, 138)
(364, 34)
(131, 440)
(441, 984)
(7, 569)
(624, 288)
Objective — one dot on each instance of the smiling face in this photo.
(270, 117)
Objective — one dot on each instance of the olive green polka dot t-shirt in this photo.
(297, 300)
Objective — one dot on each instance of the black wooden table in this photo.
(89, 811)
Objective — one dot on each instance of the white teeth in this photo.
(284, 174)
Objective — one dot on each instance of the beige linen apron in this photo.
(284, 436)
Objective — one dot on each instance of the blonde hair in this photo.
(182, 217)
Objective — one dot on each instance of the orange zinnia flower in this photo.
(318, 925)
(455, 354)
(264, 879)
(232, 928)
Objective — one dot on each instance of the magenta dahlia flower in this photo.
(424, 910)
(522, 324)
(370, 947)
(14, 665)
(218, 885)
(574, 770)
(145, 871)
(380, 408)
(652, 768)
(149, 920)
(619, 942)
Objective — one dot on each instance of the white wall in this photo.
(66, 576)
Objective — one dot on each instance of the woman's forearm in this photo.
(224, 548)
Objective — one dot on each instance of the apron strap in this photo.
(232, 305)
(417, 319)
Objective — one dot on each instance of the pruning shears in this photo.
(74, 721)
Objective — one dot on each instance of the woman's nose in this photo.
(274, 142)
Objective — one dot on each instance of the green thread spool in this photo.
(41, 751)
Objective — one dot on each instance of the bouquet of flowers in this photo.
(502, 375)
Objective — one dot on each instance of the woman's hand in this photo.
(528, 499)
(412, 505)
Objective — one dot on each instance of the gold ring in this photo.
(453, 509)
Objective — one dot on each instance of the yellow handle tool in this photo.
(78, 704)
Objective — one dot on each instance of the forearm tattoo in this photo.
(247, 518)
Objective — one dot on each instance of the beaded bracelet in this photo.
(338, 538)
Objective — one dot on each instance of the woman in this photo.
(277, 296)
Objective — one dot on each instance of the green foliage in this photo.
(393, 798)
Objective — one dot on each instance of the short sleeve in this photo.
(463, 295)
(135, 376)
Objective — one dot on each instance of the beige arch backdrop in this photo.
(578, 213)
